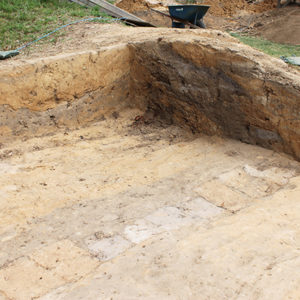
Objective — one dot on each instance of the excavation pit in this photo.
(157, 166)
(205, 81)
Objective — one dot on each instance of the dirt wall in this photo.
(65, 90)
(240, 94)
(207, 82)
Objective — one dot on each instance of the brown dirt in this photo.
(261, 19)
(162, 53)
(76, 203)
(76, 37)
(142, 5)
(278, 25)
(281, 26)
(218, 7)
(155, 18)
(133, 5)
(147, 210)
(231, 7)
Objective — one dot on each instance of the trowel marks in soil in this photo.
(205, 81)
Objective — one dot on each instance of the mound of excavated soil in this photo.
(261, 19)
(226, 8)
(217, 17)
(218, 7)
(139, 5)
(281, 26)
(277, 25)
(133, 5)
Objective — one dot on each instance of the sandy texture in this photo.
(229, 8)
(110, 190)
(142, 199)
(204, 80)
(167, 215)
(280, 25)
(260, 18)
(218, 8)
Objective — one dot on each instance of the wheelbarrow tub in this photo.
(190, 13)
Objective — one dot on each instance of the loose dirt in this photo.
(218, 8)
(230, 8)
(279, 25)
(261, 19)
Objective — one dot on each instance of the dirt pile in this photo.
(277, 25)
(281, 26)
(261, 19)
(137, 5)
(228, 8)
(142, 5)
(223, 8)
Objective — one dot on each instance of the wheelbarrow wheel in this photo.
(200, 23)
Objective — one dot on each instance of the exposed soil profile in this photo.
(145, 163)
(234, 98)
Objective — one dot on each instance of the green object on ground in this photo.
(292, 60)
(8, 54)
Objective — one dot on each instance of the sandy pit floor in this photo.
(126, 210)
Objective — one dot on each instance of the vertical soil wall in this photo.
(210, 84)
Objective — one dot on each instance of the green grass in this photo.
(268, 47)
(22, 21)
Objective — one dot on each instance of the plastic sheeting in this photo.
(8, 54)
(294, 60)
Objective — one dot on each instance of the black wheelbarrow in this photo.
(191, 15)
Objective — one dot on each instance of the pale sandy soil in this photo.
(118, 210)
